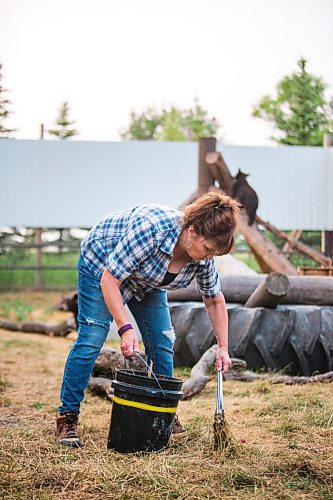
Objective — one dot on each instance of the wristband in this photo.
(124, 328)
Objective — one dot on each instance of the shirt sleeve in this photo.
(137, 243)
(208, 280)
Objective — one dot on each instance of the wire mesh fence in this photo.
(47, 259)
(39, 259)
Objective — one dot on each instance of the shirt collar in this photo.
(169, 243)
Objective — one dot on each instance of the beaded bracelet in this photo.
(124, 328)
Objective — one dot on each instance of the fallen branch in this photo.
(248, 376)
(200, 375)
(52, 329)
(110, 360)
(202, 372)
(106, 365)
(101, 386)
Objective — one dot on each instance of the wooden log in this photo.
(295, 236)
(269, 253)
(315, 271)
(220, 171)
(248, 376)
(53, 330)
(205, 177)
(297, 245)
(199, 374)
(101, 386)
(270, 291)
(307, 290)
(110, 360)
(264, 267)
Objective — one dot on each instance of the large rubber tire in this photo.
(296, 339)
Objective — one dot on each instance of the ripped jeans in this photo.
(154, 322)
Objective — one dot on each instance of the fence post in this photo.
(206, 178)
(39, 254)
(327, 236)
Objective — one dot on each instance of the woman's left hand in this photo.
(223, 361)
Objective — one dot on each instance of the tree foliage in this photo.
(4, 109)
(300, 110)
(172, 124)
(63, 131)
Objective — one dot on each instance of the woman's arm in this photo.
(113, 300)
(217, 312)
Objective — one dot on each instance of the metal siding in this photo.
(294, 184)
(67, 184)
(76, 183)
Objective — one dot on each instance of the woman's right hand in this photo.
(129, 343)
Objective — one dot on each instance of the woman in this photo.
(131, 257)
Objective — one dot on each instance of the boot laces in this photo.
(71, 422)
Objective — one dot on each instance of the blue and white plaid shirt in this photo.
(136, 246)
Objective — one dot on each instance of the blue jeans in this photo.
(152, 317)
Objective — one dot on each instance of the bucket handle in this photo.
(149, 369)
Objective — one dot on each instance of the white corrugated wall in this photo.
(76, 183)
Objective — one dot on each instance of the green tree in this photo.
(4, 111)
(172, 124)
(299, 111)
(64, 131)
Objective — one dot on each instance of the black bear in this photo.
(247, 196)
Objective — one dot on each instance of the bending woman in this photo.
(131, 257)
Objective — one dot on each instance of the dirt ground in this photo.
(288, 434)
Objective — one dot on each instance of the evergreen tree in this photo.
(63, 132)
(4, 111)
(299, 111)
(172, 124)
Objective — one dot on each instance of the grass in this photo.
(22, 278)
(288, 453)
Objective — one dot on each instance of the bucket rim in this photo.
(144, 374)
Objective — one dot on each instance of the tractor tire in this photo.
(295, 339)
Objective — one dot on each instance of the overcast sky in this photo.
(106, 57)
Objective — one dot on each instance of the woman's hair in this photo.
(214, 216)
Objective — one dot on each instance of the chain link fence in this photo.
(39, 258)
(47, 258)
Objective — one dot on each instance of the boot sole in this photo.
(71, 444)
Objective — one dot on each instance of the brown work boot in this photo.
(177, 427)
(66, 433)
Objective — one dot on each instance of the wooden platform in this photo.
(315, 271)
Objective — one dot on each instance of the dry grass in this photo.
(288, 452)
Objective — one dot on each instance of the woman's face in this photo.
(199, 247)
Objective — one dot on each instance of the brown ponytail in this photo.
(214, 216)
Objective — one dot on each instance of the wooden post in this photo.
(270, 291)
(327, 236)
(327, 243)
(38, 272)
(206, 178)
(38, 241)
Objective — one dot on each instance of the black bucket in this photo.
(143, 411)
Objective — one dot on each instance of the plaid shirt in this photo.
(136, 246)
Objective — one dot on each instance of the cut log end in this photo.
(277, 284)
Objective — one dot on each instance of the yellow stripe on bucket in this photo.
(143, 406)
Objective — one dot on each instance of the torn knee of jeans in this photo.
(170, 334)
(93, 321)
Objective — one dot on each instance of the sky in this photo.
(108, 57)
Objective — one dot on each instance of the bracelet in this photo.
(124, 328)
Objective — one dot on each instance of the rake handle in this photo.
(219, 394)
